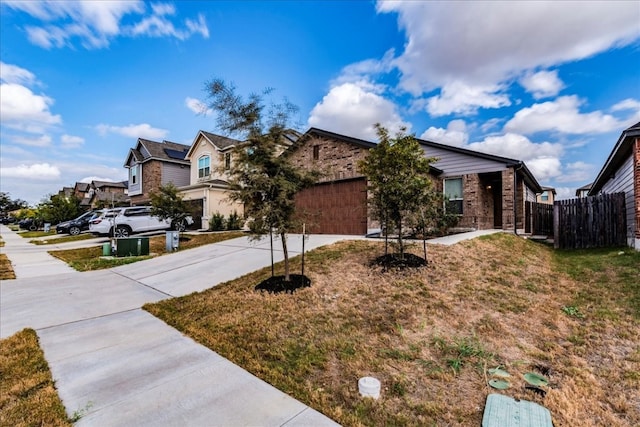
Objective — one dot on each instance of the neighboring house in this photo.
(548, 196)
(106, 194)
(486, 191)
(66, 192)
(210, 155)
(584, 190)
(80, 190)
(621, 173)
(153, 164)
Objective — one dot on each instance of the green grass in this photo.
(33, 234)
(62, 239)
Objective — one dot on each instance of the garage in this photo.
(336, 207)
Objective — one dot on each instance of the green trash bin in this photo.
(106, 249)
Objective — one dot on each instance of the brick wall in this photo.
(507, 199)
(336, 159)
(151, 180)
(636, 183)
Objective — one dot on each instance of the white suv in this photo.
(121, 222)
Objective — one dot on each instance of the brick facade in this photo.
(636, 182)
(151, 180)
(335, 159)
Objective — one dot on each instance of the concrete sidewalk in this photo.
(119, 365)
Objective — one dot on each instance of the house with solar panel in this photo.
(152, 164)
(210, 156)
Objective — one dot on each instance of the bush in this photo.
(234, 222)
(216, 222)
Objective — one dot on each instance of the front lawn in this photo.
(86, 259)
(62, 239)
(431, 335)
(28, 396)
(6, 268)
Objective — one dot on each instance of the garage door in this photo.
(337, 207)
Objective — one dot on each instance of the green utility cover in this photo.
(504, 411)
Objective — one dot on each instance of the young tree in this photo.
(167, 203)
(265, 181)
(401, 191)
(59, 208)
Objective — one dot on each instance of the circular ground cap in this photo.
(369, 387)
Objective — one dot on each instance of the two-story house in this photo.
(152, 164)
(548, 196)
(210, 156)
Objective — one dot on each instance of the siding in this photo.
(177, 174)
(461, 164)
(623, 181)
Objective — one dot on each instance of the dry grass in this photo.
(431, 334)
(6, 268)
(28, 396)
(87, 259)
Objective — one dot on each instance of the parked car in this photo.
(31, 224)
(122, 222)
(77, 225)
(6, 220)
(103, 223)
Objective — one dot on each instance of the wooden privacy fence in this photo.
(590, 222)
(538, 219)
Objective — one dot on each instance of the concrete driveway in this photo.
(118, 365)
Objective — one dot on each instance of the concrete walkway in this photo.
(118, 365)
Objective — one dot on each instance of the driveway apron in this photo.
(115, 364)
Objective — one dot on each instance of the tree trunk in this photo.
(283, 236)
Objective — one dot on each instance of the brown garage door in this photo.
(338, 207)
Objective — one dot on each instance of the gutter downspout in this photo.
(515, 197)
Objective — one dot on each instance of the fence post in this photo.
(556, 225)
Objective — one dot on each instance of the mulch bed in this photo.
(277, 284)
(395, 261)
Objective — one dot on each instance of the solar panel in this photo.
(175, 154)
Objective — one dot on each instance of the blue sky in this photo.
(550, 83)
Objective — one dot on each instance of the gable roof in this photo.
(100, 184)
(618, 156)
(221, 143)
(82, 186)
(164, 151)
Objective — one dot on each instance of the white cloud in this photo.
(516, 146)
(32, 141)
(484, 45)
(563, 193)
(70, 141)
(578, 172)
(10, 73)
(561, 115)
(543, 84)
(458, 97)
(142, 130)
(36, 171)
(544, 168)
(197, 106)
(24, 110)
(96, 23)
(353, 109)
(455, 134)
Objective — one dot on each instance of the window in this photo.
(316, 152)
(453, 195)
(134, 174)
(204, 166)
(545, 196)
(227, 161)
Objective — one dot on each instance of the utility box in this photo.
(173, 241)
(132, 246)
